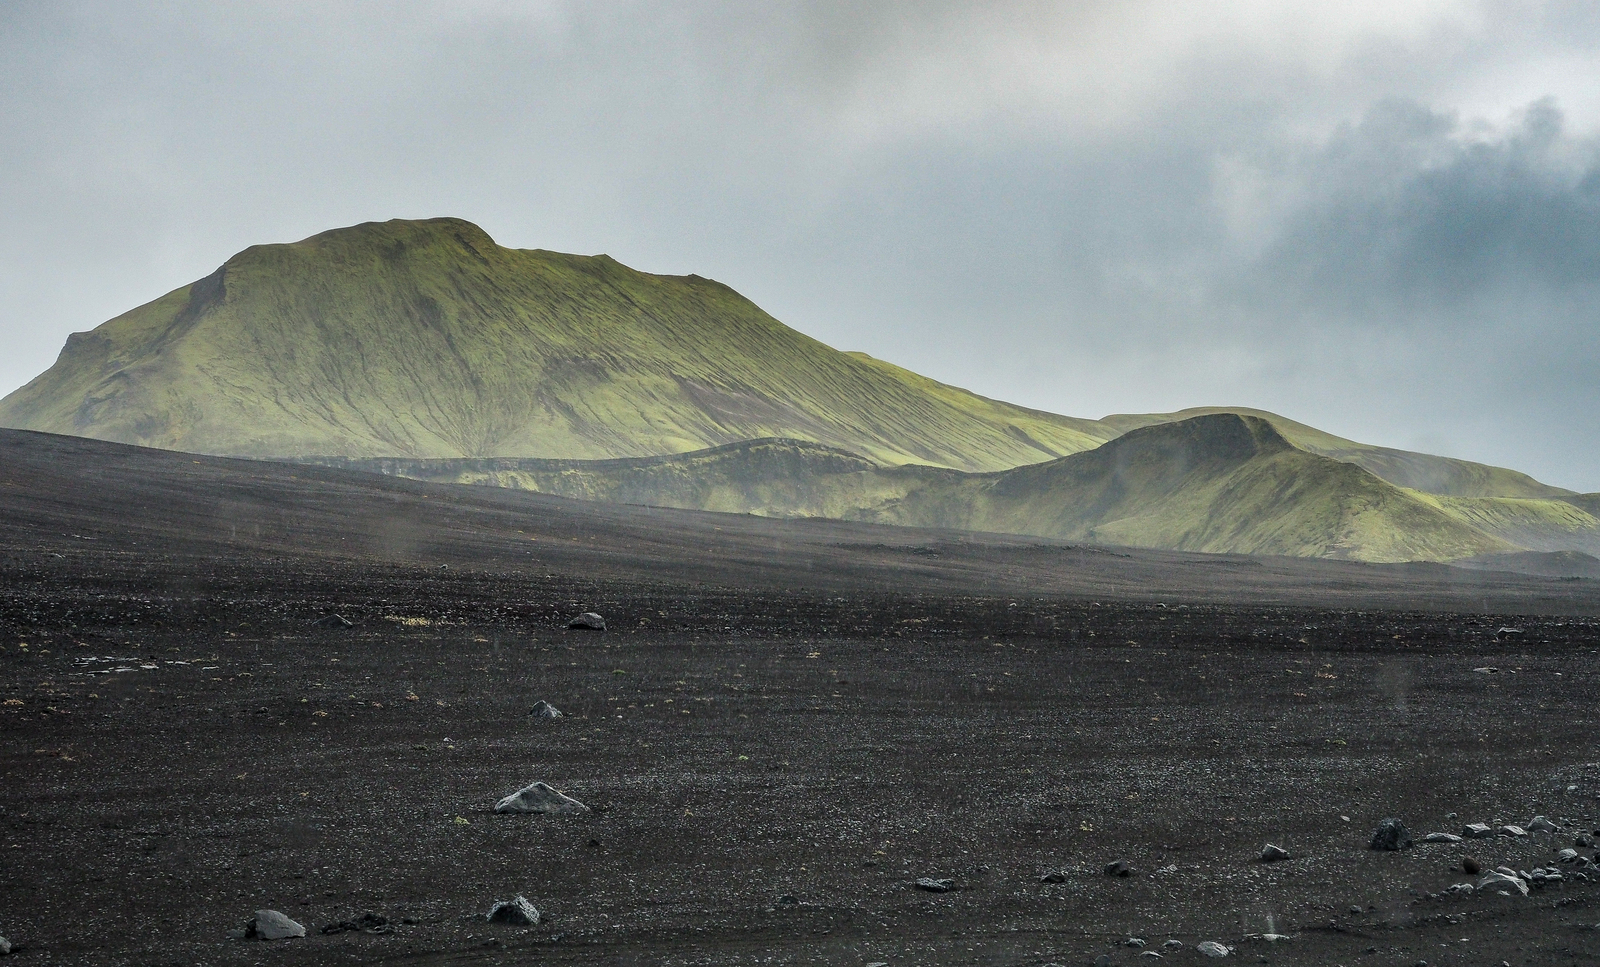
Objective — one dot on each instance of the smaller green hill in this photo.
(1446, 476)
(1223, 483)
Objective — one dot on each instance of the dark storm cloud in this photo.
(1361, 214)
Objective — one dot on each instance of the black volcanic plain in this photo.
(787, 723)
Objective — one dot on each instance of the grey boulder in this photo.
(1210, 948)
(1272, 854)
(544, 710)
(1477, 831)
(1391, 834)
(272, 925)
(540, 798)
(933, 885)
(517, 912)
(588, 621)
(5, 946)
(1516, 832)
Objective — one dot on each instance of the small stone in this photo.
(1567, 856)
(1441, 838)
(544, 710)
(1274, 937)
(1272, 854)
(588, 621)
(1540, 824)
(5, 946)
(540, 798)
(1460, 889)
(1477, 831)
(1496, 881)
(1054, 876)
(1173, 945)
(1119, 868)
(272, 925)
(1211, 948)
(1134, 942)
(1514, 831)
(1471, 866)
(334, 621)
(517, 911)
(1151, 954)
(1391, 834)
(933, 885)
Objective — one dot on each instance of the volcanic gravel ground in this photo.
(771, 763)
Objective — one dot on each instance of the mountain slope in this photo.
(1216, 483)
(426, 339)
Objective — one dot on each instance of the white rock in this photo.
(1213, 949)
(1539, 824)
(272, 925)
(1499, 882)
(1441, 838)
(517, 911)
(1516, 831)
(1478, 831)
(540, 798)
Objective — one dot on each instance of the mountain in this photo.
(427, 339)
(1221, 482)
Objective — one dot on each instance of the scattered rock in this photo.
(1583, 841)
(1054, 876)
(540, 798)
(1460, 889)
(1119, 868)
(1477, 831)
(1514, 831)
(1173, 945)
(1540, 824)
(933, 885)
(1134, 942)
(5, 946)
(1151, 955)
(588, 621)
(1272, 854)
(1499, 882)
(1211, 948)
(366, 923)
(1567, 856)
(1487, 670)
(272, 925)
(338, 621)
(517, 911)
(544, 710)
(1441, 838)
(1471, 866)
(1391, 834)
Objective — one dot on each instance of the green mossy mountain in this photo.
(424, 349)
(427, 339)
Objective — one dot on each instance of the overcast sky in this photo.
(1381, 217)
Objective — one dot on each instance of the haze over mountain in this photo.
(422, 348)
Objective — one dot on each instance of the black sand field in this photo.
(785, 726)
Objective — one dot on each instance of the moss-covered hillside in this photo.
(427, 339)
(1218, 483)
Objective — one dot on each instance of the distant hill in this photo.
(1416, 471)
(1219, 483)
(427, 339)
